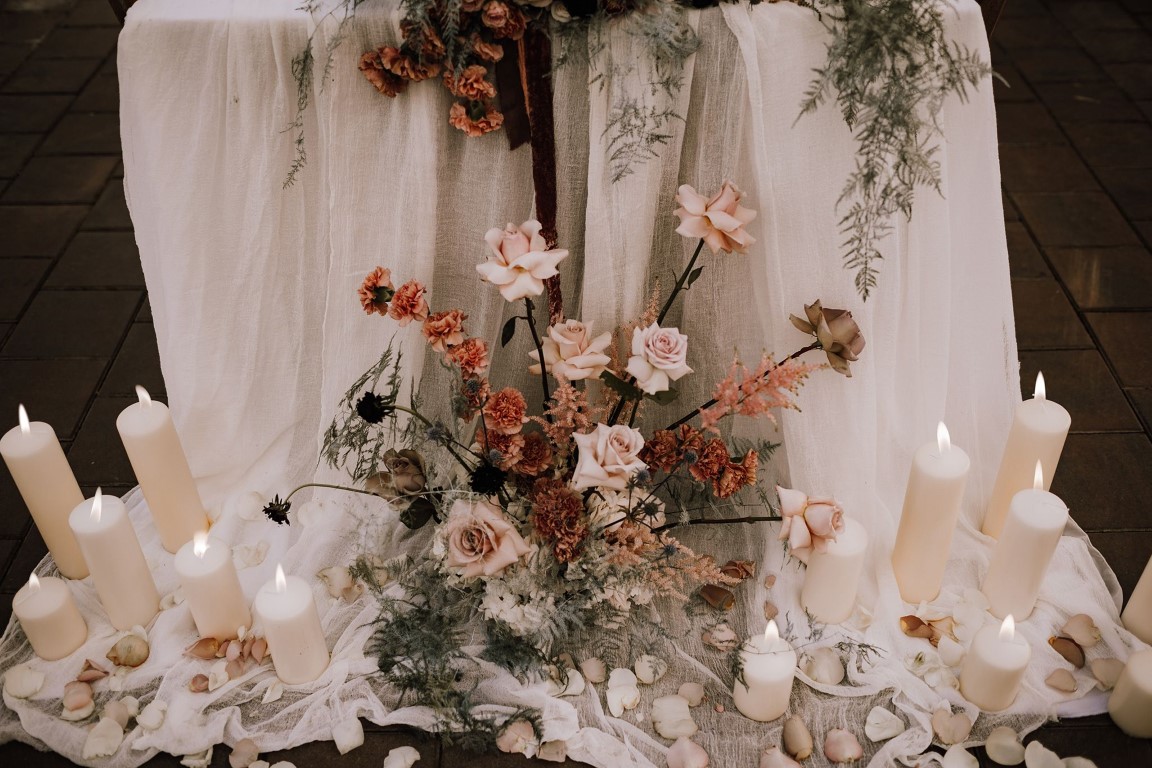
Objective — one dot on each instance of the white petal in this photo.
(21, 681)
(1036, 755)
(104, 739)
(958, 757)
(882, 724)
(348, 734)
(153, 715)
(401, 757)
(274, 692)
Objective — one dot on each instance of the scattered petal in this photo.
(951, 728)
(622, 677)
(823, 665)
(76, 715)
(686, 753)
(621, 698)
(205, 648)
(1062, 680)
(249, 555)
(774, 758)
(235, 648)
(91, 672)
(516, 737)
(348, 734)
(1036, 755)
(1078, 762)
(117, 710)
(152, 717)
(115, 681)
(951, 652)
(77, 694)
(259, 649)
(283, 764)
(1069, 649)
(770, 581)
(671, 717)
(198, 760)
(22, 682)
(244, 753)
(1082, 629)
(914, 626)
(1107, 672)
(841, 746)
(234, 669)
(1003, 746)
(104, 739)
(797, 738)
(401, 757)
(594, 670)
(553, 751)
(573, 684)
(172, 599)
(132, 704)
(198, 684)
(340, 583)
(274, 692)
(882, 724)
(218, 675)
(770, 610)
(650, 668)
(693, 693)
(739, 569)
(958, 757)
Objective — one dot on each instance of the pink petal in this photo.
(691, 200)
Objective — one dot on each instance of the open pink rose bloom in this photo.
(718, 221)
(520, 261)
(481, 541)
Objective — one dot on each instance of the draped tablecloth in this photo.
(253, 284)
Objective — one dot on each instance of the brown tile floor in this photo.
(1076, 151)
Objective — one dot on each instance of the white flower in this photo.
(931, 669)
(571, 352)
(520, 261)
(658, 357)
(608, 457)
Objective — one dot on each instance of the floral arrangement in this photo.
(549, 525)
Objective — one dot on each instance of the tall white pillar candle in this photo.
(1031, 534)
(292, 628)
(49, 617)
(833, 576)
(768, 666)
(1137, 616)
(161, 468)
(1130, 704)
(119, 571)
(37, 463)
(212, 588)
(931, 506)
(994, 667)
(1037, 435)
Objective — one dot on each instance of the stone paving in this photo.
(1075, 123)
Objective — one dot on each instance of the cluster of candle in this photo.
(94, 537)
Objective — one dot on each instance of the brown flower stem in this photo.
(328, 485)
(712, 402)
(676, 289)
(722, 521)
(530, 312)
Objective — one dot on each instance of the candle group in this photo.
(768, 667)
(49, 617)
(212, 588)
(833, 576)
(292, 628)
(994, 667)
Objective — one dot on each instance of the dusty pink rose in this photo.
(658, 357)
(608, 457)
(809, 523)
(571, 352)
(837, 332)
(719, 221)
(519, 261)
(516, 737)
(408, 303)
(481, 541)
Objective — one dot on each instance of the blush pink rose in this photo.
(718, 221)
(571, 352)
(481, 540)
(658, 357)
(607, 457)
(809, 523)
(519, 261)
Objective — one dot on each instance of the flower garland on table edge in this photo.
(550, 528)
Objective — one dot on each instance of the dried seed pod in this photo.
(91, 672)
(198, 684)
(129, 651)
(717, 597)
(914, 626)
(259, 650)
(205, 648)
(1062, 680)
(222, 649)
(1069, 649)
(1082, 629)
(797, 739)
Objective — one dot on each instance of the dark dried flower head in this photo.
(372, 408)
(837, 332)
(558, 517)
(487, 479)
(277, 510)
(384, 81)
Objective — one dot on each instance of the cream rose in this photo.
(718, 221)
(480, 539)
(658, 357)
(809, 523)
(520, 261)
(570, 351)
(608, 457)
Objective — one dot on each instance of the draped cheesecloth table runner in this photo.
(253, 295)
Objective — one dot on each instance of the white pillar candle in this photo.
(931, 506)
(994, 667)
(49, 617)
(37, 463)
(1137, 616)
(1131, 701)
(212, 588)
(768, 664)
(119, 571)
(292, 628)
(161, 468)
(833, 576)
(1031, 534)
(1037, 435)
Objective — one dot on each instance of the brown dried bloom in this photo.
(381, 79)
(473, 392)
(471, 355)
(509, 447)
(736, 476)
(475, 119)
(408, 303)
(376, 291)
(445, 329)
(504, 20)
(662, 451)
(487, 51)
(711, 462)
(504, 411)
(536, 455)
(837, 332)
(691, 442)
(403, 65)
(470, 83)
(424, 39)
(558, 517)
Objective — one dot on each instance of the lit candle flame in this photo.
(145, 398)
(97, 503)
(22, 415)
(1008, 629)
(771, 632)
(1038, 477)
(1039, 393)
(281, 581)
(33, 584)
(200, 543)
(943, 440)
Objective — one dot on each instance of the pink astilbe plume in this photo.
(757, 391)
(672, 569)
(569, 412)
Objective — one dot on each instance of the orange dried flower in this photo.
(712, 460)
(487, 51)
(662, 451)
(504, 411)
(558, 517)
(536, 455)
(445, 329)
(403, 65)
(471, 355)
(408, 303)
(470, 83)
(475, 119)
(425, 39)
(504, 20)
(509, 447)
(736, 476)
(381, 79)
(376, 291)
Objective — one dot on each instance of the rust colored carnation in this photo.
(509, 447)
(558, 517)
(662, 451)
(473, 392)
(536, 455)
(712, 460)
(486, 50)
(476, 118)
(504, 20)
(471, 355)
(445, 329)
(504, 411)
(470, 83)
(408, 303)
(691, 442)
(424, 39)
(736, 476)
(381, 79)
(403, 65)
(376, 291)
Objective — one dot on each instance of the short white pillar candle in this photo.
(292, 628)
(833, 576)
(768, 667)
(994, 667)
(161, 468)
(119, 571)
(212, 588)
(931, 505)
(1031, 534)
(1037, 435)
(1130, 704)
(1137, 616)
(49, 617)
(45, 480)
